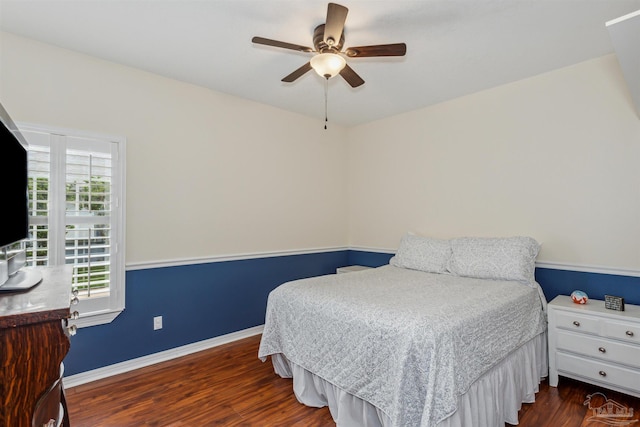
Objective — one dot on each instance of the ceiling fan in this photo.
(328, 40)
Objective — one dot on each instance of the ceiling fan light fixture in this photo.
(328, 65)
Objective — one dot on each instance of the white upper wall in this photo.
(207, 174)
(556, 157)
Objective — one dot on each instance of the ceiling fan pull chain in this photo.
(326, 95)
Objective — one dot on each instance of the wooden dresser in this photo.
(593, 344)
(33, 342)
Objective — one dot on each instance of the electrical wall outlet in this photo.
(157, 323)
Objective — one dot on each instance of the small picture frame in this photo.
(614, 303)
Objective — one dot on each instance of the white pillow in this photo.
(508, 258)
(422, 253)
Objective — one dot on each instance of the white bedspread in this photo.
(406, 341)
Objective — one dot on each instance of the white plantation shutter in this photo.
(76, 195)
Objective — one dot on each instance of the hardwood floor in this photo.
(229, 386)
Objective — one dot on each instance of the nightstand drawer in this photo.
(623, 331)
(600, 348)
(577, 322)
(599, 371)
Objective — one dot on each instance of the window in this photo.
(76, 214)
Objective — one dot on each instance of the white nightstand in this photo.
(351, 268)
(593, 344)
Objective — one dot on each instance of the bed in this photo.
(450, 333)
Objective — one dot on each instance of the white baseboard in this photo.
(163, 356)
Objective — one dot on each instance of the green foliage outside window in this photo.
(90, 196)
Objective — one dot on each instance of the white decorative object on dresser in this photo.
(594, 344)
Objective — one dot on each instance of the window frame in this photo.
(96, 310)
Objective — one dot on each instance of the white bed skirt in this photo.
(495, 398)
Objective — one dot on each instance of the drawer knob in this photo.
(575, 322)
(629, 333)
(602, 350)
(73, 329)
(603, 373)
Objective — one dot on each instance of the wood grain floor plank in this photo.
(229, 386)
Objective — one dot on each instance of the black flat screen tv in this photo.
(13, 185)
(14, 203)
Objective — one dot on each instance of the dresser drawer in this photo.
(600, 348)
(599, 371)
(625, 331)
(577, 322)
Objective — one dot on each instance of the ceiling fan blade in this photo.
(336, 17)
(276, 43)
(351, 76)
(297, 73)
(396, 49)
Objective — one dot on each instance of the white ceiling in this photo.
(454, 47)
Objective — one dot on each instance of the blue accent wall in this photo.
(369, 259)
(203, 301)
(197, 302)
(596, 285)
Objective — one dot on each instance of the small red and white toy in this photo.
(579, 297)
